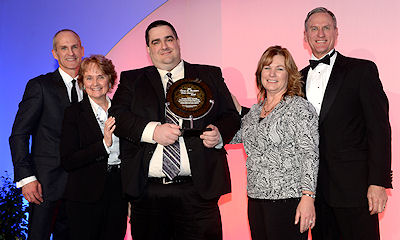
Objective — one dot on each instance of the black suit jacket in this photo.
(40, 115)
(140, 99)
(83, 154)
(355, 133)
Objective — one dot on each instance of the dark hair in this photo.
(320, 10)
(294, 86)
(65, 30)
(105, 65)
(157, 24)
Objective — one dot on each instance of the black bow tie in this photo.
(326, 60)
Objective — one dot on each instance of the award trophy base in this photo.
(193, 132)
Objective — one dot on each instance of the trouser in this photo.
(104, 219)
(48, 218)
(175, 211)
(274, 219)
(334, 223)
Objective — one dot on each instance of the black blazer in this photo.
(355, 133)
(140, 99)
(83, 154)
(40, 115)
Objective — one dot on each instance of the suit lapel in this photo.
(61, 89)
(335, 81)
(304, 73)
(190, 71)
(155, 80)
(90, 118)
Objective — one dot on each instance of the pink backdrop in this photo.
(233, 34)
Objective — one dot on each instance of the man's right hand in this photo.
(166, 134)
(33, 192)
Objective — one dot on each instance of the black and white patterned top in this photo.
(282, 149)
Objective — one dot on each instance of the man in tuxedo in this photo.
(175, 181)
(355, 135)
(37, 168)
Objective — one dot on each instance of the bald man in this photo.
(37, 169)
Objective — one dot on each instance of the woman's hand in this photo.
(305, 213)
(109, 127)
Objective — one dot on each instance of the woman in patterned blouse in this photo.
(280, 137)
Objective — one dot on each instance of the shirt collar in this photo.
(96, 108)
(314, 58)
(66, 77)
(178, 69)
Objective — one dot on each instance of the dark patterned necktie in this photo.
(171, 155)
(74, 95)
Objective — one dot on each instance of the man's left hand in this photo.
(377, 199)
(210, 138)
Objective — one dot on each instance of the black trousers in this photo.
(102, 220)
(274, 219)
(175, 211)
(48, 218)
(334, 223)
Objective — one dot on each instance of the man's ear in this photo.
(54, 54)
(337, 34)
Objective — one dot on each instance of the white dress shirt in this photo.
(102, 117)
(155, 169)
(68, 83)
(317, 80)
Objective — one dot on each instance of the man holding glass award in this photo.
(173, 120)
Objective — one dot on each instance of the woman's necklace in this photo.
(265, 111)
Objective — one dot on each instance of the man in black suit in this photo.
(355, 135)
(39, 116)
(166, 206)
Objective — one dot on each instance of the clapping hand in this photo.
(109, 127)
